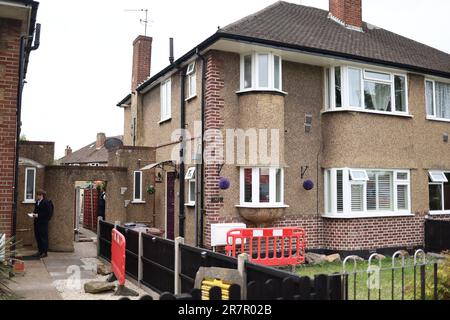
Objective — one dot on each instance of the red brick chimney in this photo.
(348, 12)
(142, 56)
(101, 139)
(68, 151)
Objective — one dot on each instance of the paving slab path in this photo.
(61, 276)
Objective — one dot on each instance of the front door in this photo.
(170, 207)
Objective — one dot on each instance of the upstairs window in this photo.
(166, 100)
(30, 184)
(261, 71)
(351, 88)
(192, 81)
(437, 99)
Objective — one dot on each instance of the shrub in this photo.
(6, 269)
(443, 283)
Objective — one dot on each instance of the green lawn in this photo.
(362, 292)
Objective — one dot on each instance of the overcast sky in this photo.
(83, 67)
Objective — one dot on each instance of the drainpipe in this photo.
(22, 55)
(182, 215)
(202, 175)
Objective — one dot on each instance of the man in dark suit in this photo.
(42, 211)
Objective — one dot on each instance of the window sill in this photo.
(189, 204)
(138, 202)
(266, 91)
(165, 120)
(29, 202)
(404, 115)
(439, 213)
(367, 215)
(437, 119)
(262, 206)
(190, 98)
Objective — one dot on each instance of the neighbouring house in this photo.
(17, 30)
(94, 154)
(127, 201)
(358, 115)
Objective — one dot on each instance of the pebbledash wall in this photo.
(10, 31)
(337, 139)
(332, 143)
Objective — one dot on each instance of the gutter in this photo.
(280, 45)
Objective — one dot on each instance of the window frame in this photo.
(255, 203)
(434, 116)
(140, 186)
(33, 200)
(190, 178)
(330, 100)
(443, 211)
(191, 202)
(434, 180)
(330, 180)
(191, 74)
(255, 72)
(166, 100)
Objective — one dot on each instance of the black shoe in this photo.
(37, 254)
(43, 255)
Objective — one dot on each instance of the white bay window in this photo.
(261, 71)
(358, 89)
(262, 187)
(360, 193)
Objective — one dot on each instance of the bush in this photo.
(443, 283)
(6, 268)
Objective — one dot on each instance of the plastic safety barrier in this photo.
(270, 247)
(118, 245)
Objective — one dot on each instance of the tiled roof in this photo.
(90, 154)
(309, 27)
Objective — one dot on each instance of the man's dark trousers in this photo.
(41, 235)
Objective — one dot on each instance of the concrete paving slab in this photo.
(35, 284)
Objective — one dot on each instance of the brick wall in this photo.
(213, 121)
(142, 55)
(347, 11)
(9, 77)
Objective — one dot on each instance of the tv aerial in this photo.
(144, 21)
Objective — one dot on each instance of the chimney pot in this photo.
(142, 56)
(171, 56)
(101, 139)
(68, 151)
(348, 12)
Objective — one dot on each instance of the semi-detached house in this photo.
(362, 117)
